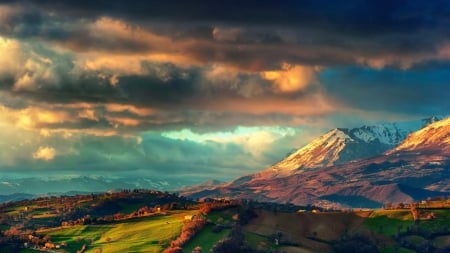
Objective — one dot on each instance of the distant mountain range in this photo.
(360, 167)
(27, 188)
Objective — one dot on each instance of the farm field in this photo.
(150, 234)
(149, 221)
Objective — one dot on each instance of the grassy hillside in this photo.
(389, 222)
(388, 230)
(149, 221)
(150, 234)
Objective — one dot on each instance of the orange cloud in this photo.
(34, 117)
(44, 153)
(314, 104)
(88, 114)
(291, 78)
(11, 58)
(131, 108)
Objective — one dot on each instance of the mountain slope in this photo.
(418, 167)
(435, 136)
(341, 145)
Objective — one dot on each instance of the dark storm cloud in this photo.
(95, 86)
(263, 33)
(378, 15)
(249, 37)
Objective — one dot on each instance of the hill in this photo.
(358, 231)
(152, 221)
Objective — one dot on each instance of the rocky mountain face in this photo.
(325, 171)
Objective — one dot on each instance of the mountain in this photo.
(209, 184)
(341, 145)
(435, 137)
(15, 197)
(415, 169)
(43, 186)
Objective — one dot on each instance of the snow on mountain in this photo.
(340, 145)
(434, 136)
(416, 169)
(323, 151)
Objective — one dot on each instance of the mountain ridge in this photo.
(402, 174)
(340, 145)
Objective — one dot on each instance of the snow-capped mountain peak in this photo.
(323, 151)
(341, 145)
(415, 169)
(387, 133)
(435, 135)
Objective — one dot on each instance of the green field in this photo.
(206, 239)
(442, 221)
(389, 222)
(151, 234)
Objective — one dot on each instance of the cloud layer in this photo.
(79, 77)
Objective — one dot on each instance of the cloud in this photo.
(99, 82)
(256, 140)
(376, 34)
(292, 78)
(226, 34)
(10, 51)
(88, 114)
(44, 153)
(129, 108)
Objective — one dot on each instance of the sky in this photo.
(194, 90)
